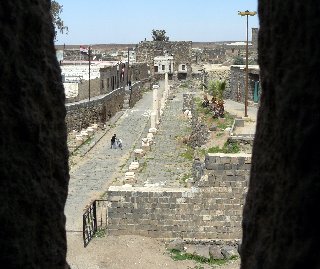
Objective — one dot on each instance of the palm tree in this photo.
(216, 88)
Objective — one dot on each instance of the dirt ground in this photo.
(129, 252)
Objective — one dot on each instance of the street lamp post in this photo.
(246, 13)
(89, 55)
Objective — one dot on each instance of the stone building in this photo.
(163, 64)
(113, 77)
(236, 89)
(181, 51)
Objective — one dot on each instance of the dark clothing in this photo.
(113, 140)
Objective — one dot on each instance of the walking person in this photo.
(113, 141)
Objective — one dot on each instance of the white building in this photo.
(163, 64)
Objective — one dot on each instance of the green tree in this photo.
(159, 35)
(56, 10)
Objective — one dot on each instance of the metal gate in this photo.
(94, 218)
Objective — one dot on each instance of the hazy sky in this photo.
(131, 21)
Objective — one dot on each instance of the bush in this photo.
(228, 147)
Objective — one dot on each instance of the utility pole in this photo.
(246, 13)
(128, 69)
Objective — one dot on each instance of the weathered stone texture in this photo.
(212, 210)
(83, 92)
(182, 51)
(135, 93)
(81, 115)
(220, 74)
(34, 155)
(236, 89)
(139, 72)
(280, 225)
(188, 101)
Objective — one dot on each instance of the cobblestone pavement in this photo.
(91, 176)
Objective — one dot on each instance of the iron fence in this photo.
(94, 219)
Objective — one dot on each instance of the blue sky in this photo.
(131, 21)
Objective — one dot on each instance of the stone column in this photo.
(166, 85)
(155, 105)
(153, 119)
(164, 94)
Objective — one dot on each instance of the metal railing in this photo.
(94, 218)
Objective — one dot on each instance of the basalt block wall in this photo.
(135, 93)
(82, 114)
(212, 209)
(236, 89)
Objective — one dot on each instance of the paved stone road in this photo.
(90, 178)
(164, 165)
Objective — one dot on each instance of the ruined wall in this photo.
(220, 74)
(135, 92)
(34, 155)
(139, 72)
(82, 114)
(83, 90)
(182, 51)
(212, 209)
(236, 89)
(108, 79)
(215, 55)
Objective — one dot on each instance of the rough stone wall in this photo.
(211, 210)
(84, 89)
(214, 55)
(34, 155)
(254, 38)
(80, 115)
(135, 93)
(182, 51)
(139, 72)
(280, 225)
(220, 74)
(108, 79)
(188, 101)
(236, 89)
